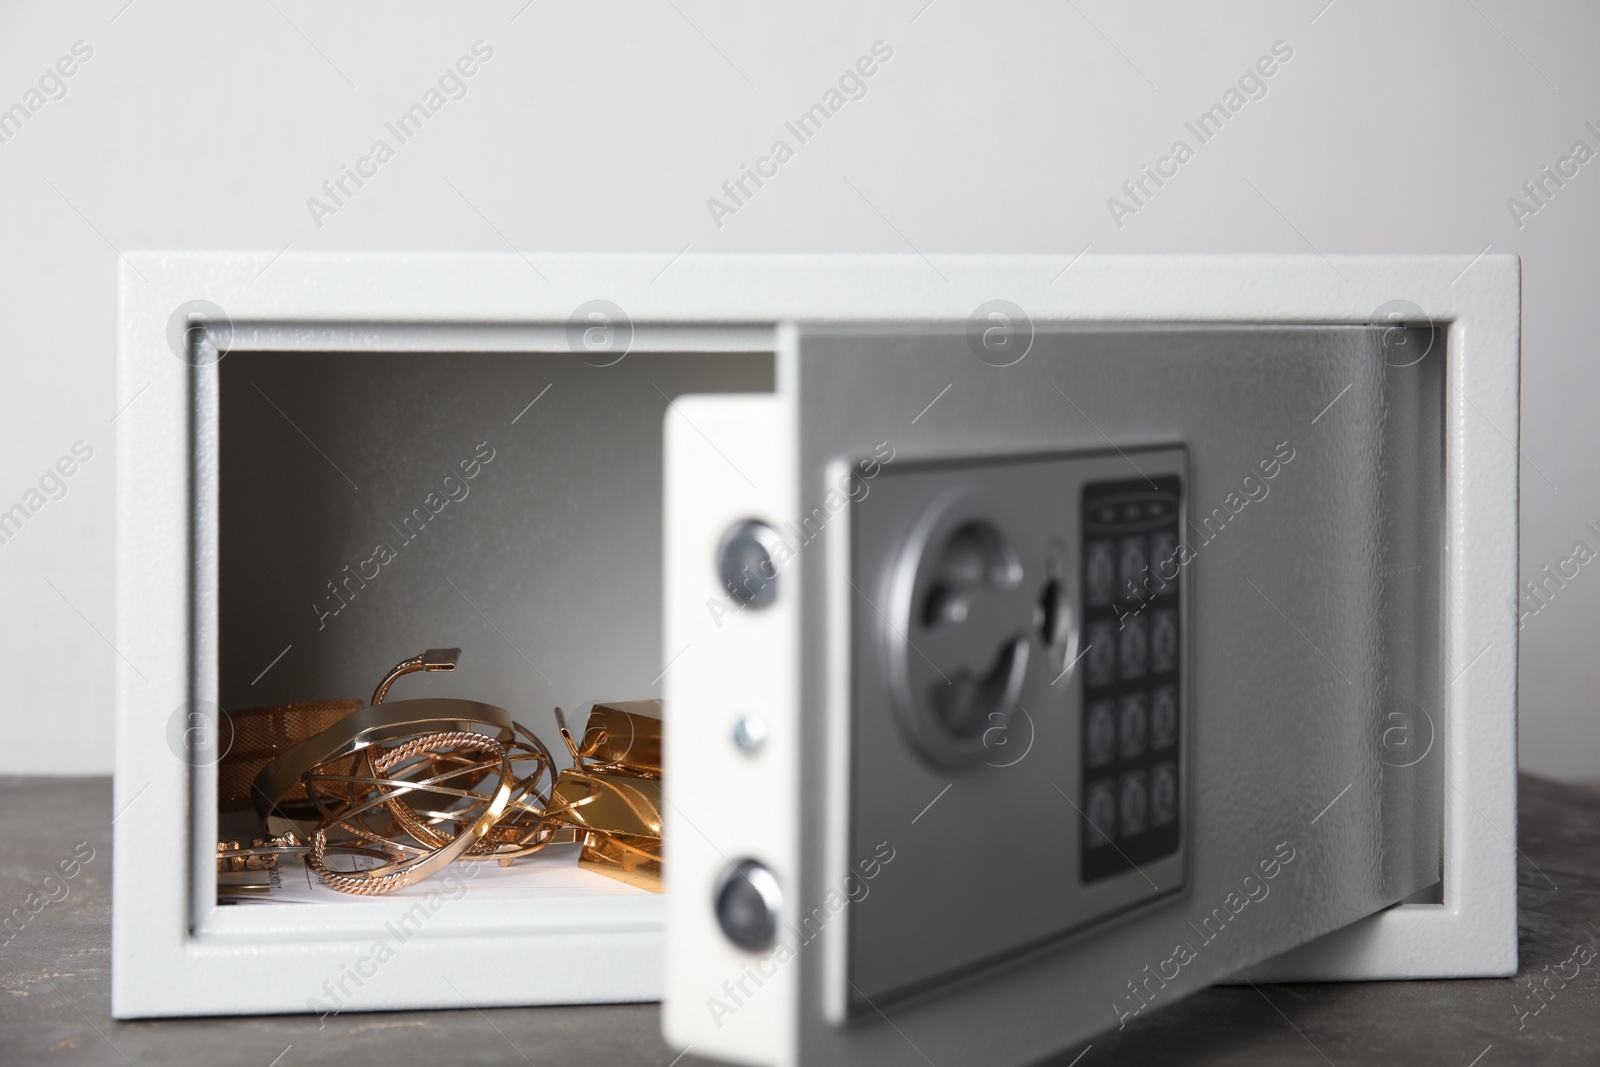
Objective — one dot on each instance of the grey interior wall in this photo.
(438, 509)
(1000, 127)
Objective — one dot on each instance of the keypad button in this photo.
(1101, 814)
(1102, 734)
(1164, 562)
(1134, 647)
(1164, 641)
(1132, 561)
(1163, 794)
(1132, 717)
(1100, 574)
(1133, 810)
(1163, 716)
(1101, 657)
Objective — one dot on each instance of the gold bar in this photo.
(625, 735)
(608, 803)
(634, 860)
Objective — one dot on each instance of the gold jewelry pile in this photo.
(419, 784)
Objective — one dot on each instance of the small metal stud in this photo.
(750, 732)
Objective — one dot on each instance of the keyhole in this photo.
(966, 650)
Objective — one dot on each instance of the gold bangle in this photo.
(415, 753)
(435, 659)
(524, 829)
(352, 735)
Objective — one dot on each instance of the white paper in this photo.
(552, 871)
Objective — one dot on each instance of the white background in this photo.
(995, 127)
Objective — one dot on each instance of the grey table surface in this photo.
(56, 977)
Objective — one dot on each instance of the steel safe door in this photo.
(1032, 691)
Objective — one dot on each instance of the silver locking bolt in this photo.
(746, 564)
(748, 901)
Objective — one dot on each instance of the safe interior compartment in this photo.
(349, 535)
(355, 508)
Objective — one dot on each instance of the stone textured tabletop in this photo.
(56, 976)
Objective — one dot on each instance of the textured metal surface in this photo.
(1012, 816)
(1290, 673)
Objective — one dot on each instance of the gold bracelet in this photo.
(421, 783)
(361, 730)
(260, 735)
(263, 853)
(388, 781)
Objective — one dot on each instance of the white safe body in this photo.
(818, 359)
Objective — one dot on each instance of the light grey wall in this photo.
(995, 127)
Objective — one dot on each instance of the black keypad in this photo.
(1131, 678)
(1100, 741)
